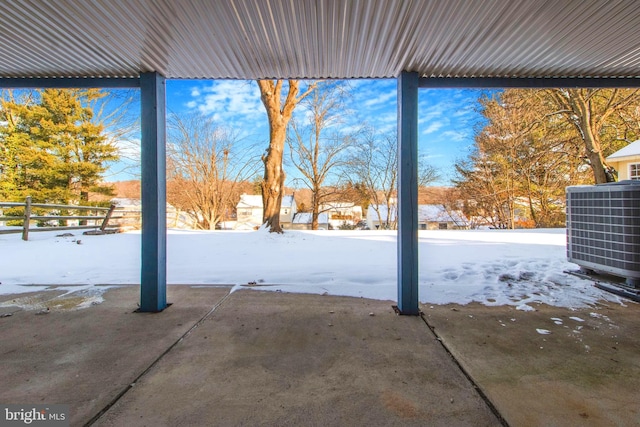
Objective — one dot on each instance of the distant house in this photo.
(430, 217)
(288, 210)
(342, 213)
(302, 221)
(627, 161)
(377, 216)
(129, 212)
(436, 217)
(249, 212)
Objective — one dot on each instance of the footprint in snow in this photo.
(506, 277)
(526, 275)
(451, 276)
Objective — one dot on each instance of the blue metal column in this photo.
(153, 284)
(408, 193)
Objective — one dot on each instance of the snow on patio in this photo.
(493, 267)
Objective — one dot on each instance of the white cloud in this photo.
(128, 166)
(381, 100)
(384, 123)
(128, 148)
(373, 94)
(428, 156)
(230, 100)
(463, 111)
(195, 91)
(433, 127)
(455, 135)
(428, 112)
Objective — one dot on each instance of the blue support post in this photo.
(153, 284)
(408, 193)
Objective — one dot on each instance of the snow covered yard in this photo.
(493, 267)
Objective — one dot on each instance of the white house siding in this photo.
(436, 217)
(302, 221)
(249, 212)
(342, 213)
(375, 221)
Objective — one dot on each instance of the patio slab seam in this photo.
(157, 360)
(467, 375)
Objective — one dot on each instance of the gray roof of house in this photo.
(426, 213)
(632, 149)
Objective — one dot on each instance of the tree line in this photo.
(209, 167)
(537, 142)
(56, 145)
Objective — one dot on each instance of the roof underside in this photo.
(249, 39)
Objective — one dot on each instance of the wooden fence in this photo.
(45, 213)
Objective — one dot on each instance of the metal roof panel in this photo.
(248, 39)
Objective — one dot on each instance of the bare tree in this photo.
(122, 128)
(317, 147)
(373, 167)
(205, 168)
(427, 173)
(279, 113)
(373, 170)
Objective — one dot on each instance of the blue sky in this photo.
(447, 118)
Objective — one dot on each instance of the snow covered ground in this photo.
(494, 267)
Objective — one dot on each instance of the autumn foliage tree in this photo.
(536, 143)
(599, 118)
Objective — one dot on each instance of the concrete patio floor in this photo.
(270, 358)
(552, 366)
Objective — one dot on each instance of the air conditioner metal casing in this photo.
(603, 228)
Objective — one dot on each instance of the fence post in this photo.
(107, 218)
(27, 219)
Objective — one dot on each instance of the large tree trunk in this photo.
(585, 123)
(315, 208)
(274, 176)
(279, 114)
(594, 154)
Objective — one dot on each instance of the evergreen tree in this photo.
(51, 146)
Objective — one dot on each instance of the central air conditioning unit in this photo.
(603, 229)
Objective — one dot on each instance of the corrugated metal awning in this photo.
(250, 39)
